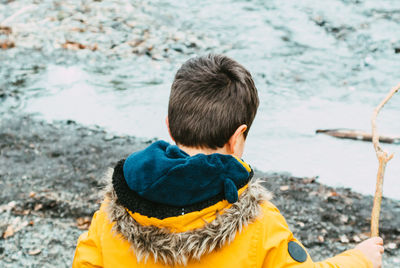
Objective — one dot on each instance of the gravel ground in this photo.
(50, 176)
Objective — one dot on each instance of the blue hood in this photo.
(165, 174)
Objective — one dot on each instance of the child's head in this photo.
(211, 98)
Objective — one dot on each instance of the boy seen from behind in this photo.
(196, 203)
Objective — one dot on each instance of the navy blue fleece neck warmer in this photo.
(165, 174)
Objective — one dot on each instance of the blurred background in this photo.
(317, 64)
(84, 83)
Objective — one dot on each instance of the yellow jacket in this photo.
(248, 233)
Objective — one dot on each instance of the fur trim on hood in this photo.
(178, 248)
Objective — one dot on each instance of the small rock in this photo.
(7, 44)
(191, 44)
(356, 239)
(332, 199)
(73, 45)
(8, 207)
(140, 50)
(25, 212)
(344, 239)
(397, 50)
(55, 154)
(301, 224)
(34, 252)
(284, 188)
(344, 218)
(83, 223)
(348, 201)
(109, 137)
(9, 232)
(132, 23)
(321, 239)
(333, 193)
(5, 30)
(310, 180)
(319, 20)
(38, 207)
(391, 245)
(285, 38)
(178, 48)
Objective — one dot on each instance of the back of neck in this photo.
(207, 151)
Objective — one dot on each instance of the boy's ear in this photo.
(236, 142)
(169, 131)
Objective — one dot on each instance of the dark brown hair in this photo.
(211, 96)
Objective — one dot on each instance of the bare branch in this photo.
(383, 158)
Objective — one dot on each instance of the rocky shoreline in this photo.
(50, 175)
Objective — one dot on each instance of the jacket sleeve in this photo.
(88, 250)
(278, 254)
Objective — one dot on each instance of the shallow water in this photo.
(317, 64)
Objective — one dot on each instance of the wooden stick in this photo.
(356, 135)
(383, 158)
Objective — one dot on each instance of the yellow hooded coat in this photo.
(248, 233)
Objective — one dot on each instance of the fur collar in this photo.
(178, 248)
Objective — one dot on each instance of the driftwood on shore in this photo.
(357, 135)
